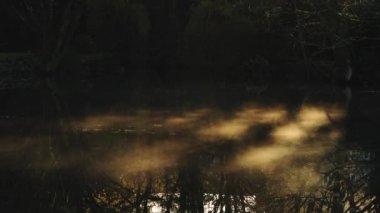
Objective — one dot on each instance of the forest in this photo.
(168, 42)
(189, 106)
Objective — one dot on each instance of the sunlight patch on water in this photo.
(312, 117)
(232, 129)
(238, 126)
(303, 126)
(289, 133)
(144, 157)
(262, 114)
(263, 156)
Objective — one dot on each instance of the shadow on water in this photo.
(198, 149)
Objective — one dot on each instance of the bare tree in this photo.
(55, 21)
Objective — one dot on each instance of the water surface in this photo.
(263, 149)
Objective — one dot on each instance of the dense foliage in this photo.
(250, 40)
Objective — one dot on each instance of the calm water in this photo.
(261, 149)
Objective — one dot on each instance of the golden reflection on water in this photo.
(289, 133)
(294, 139)
(259, 157)
(229, 129)
(296, 130)
(175, 134)
(153, 140)
(239, 125)
(312, 117)
(144, 158)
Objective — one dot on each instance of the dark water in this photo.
(259, 149)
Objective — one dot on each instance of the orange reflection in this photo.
(261, 157)
(291, 132)
(312, 117)
(294, 139)
(238, 126)
(289, 138)
(143, 158)
(235, 128)
(262, 114)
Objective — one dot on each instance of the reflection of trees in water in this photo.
(182, 193)
(192, 187)
(41, 179)
(197, 189)
(345, 188)
(41, 172)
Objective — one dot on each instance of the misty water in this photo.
(232, 149)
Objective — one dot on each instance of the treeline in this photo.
(242, 40)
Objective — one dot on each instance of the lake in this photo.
(190, 149)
